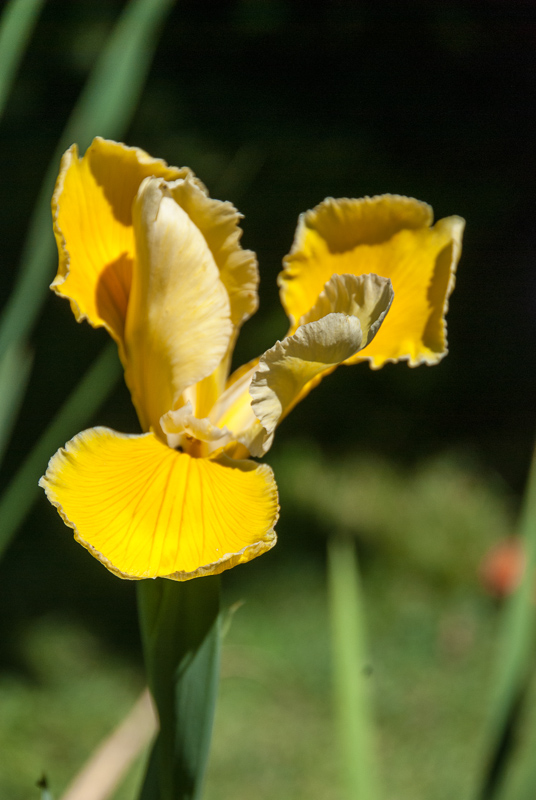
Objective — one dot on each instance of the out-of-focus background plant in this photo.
(276, 104)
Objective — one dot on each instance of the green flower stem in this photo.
(180, 627)
(351, 673)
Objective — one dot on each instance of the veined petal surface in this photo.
(146, 511)
(92, 212)
(390, 236)
(178, 325)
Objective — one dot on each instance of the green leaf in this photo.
(21, 493)
(104, 108)
(15, 367)
(180, 626)
(16, 26)
(515, 656)
(352, 673)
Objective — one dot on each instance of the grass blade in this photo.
(16, 26)
(14, 373)
(515, 652)
(18, 498)
(351, 673)
(104, 108)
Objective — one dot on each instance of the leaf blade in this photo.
(16, 25)
(351, 672)
(104, 107)
(22, 491)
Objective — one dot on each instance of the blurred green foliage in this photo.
(431, 647)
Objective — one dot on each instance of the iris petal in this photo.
(178, 323)
(391, 237)
(218, 222)
(145, 510)
(345, 318)
(290, 369)
(92, 211)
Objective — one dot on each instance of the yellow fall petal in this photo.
(145, 510)
(92, 212)
(178, 321)
(390, 236)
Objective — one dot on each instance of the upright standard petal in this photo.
(146, 511)
(218, 222)
(390, 236)
(92, 213)
(178, 322)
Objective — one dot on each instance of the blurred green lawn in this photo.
(421, 533)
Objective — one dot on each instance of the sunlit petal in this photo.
(287, 373)
(367, 297)
(178, 323)
(218, 222)
(145, 510)
(290, 369)
(92, 211)
(182, 424)
(390, 236)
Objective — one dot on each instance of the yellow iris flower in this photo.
(145, 253)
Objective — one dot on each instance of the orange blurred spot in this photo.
(502, 567)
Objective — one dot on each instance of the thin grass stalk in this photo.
(16, 26)
(351, 673)
(93, 389)
(515, 656)
(105, 107)
(15, 369)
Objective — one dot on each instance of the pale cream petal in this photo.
(178, 322)
(218, 222)
(181, 426)
(288, 372)
(367, 297)
(364, 298)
